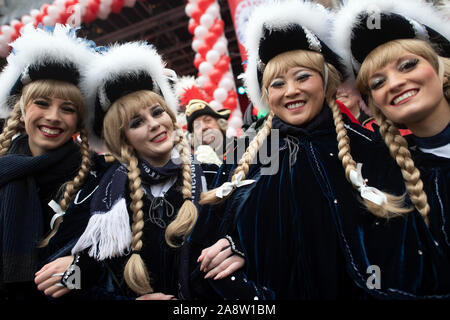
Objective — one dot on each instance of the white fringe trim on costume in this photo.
(107, 234)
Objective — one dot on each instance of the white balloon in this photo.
(188, 9)
(48, 21)
(200, 31)
(103, 11)
(27, 19)
(34, 13)
(207, 20)
(226, 83)
(220, 94)
(129, 3)
(205, 68)
(235, 122)
(213, 10)
(7, 31)
(106, 2)
(53, 11)
(215, 105)
(196, 43)
(231, 132)
(201, 80)
(220, 47)
(61, 4)
(212, 56)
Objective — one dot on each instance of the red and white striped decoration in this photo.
(72, 12)
(212, 59)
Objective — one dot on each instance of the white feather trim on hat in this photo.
(277, 15)
(37, 46)
(120, 59)
(347, 19)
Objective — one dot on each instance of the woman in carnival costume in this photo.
(145, 204)
(41, 167)
(404, 70)
(315, 228)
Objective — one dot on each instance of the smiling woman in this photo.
(39, 161)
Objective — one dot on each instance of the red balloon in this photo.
(192, 25)
(93, 6)
(222, 65)
(198, 61)
(64, 15)
(209, 88)
(89, 16)
(39, 17)
(70, 3)
(203, 4)
(14, 35)
(117, 5)
(232, 93)
(215, 75)
(44, 9)
(217, 29)
(196, 14)
(17, 26)
(225, 59)
(230, 103)
(210, 39)
(203, 49)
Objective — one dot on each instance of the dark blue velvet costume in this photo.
(306, 235)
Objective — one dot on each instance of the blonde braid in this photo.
(210, 197)
(395, 204)
(186, 217)
(10, 129)
(135, 273)
(72, 187)
(398, 148)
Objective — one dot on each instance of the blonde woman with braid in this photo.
(405, 75)
(336, 209)
(42, 168)
(145, 204)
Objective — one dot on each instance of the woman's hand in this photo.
(48, 279)
(156, 296)
(219, 261)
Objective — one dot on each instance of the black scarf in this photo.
(108, 233)
(23, 180)
(324, 120)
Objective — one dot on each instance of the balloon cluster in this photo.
(212, 59)
(72, 12)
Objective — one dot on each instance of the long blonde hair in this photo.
(14, 125)
(116, 120)
(315, 61)
(397, 144)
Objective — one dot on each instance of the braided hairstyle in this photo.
(397, 144)
(278, 65)
(116, 120)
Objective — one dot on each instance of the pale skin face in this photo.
(349, 96)
(49, 122)
(296, 96)
(408, 91)
(207, 131)
(150, 133)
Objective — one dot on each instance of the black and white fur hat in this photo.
(281, 26)
(362, 25)
(120, 70)
(42, 54)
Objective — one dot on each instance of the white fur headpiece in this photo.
(315, 20)
(417, 12)
(40, 47)
(124, 60)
